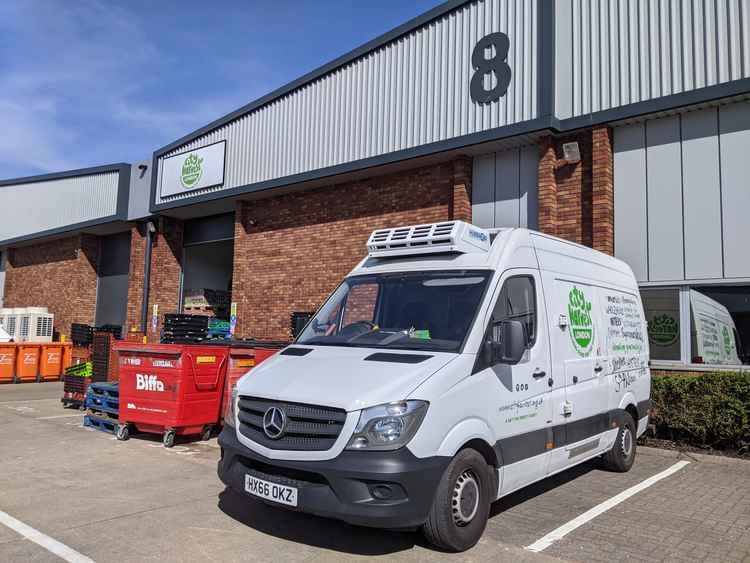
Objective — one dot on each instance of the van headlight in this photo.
(388, 427)
(232, 411)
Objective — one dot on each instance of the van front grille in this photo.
(308, 427)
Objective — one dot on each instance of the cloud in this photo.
(85, 83)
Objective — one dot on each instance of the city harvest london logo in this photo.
(478, 235)
(581, 325)
(192, 170)
(663, 330)
(148, 383)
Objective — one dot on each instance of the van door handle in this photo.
(539, 374)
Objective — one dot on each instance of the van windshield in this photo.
(414, 311)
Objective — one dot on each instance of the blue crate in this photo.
(109, 391)
(103, 397)
(102, 424)
(102, 405)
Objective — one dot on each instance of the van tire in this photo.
(622, 455)
(457, 518)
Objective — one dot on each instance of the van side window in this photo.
(517, 302)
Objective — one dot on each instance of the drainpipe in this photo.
(150, 230)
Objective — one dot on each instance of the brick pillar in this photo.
(547, 187)
(603, 190)
(166, 267)
(460, 207)
(135, 279)
(242, 273)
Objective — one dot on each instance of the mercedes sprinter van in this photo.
(452, 366)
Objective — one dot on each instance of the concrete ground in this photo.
(137, 501)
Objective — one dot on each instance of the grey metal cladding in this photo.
(701, 192)
(734, 140)
(664, 180)
(410, 92)
(504, 188)
(681, 195)
(611, 53)
(34, 206)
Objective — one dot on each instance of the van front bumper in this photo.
(391, 490)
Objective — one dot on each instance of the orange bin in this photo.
(51, 361)
(7, 362)
(27, 362)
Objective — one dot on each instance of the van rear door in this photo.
(580, 390)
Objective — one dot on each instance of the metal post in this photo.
(150, 230)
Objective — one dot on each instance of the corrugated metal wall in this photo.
(611, 53)
(27, 209)
(504, 188)
(682, 195)
(411, 92)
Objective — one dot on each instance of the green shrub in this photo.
(706, 410)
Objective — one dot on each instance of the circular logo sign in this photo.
(663, 330)
(274, 423)
(192, 170)
(581, 325)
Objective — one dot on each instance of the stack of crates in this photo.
(102, 406)
(76, 383)
(104, 357)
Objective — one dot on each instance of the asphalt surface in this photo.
(137, 501)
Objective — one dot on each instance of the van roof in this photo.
(519, 245)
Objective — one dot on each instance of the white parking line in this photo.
(43, 540)
(558, 533)
(59, 416)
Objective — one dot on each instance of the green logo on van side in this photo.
(581, 325)
(663, 330)
(192, 170)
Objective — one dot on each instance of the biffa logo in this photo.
(148, 383)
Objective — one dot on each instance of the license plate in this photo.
(271, 491)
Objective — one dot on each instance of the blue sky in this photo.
(89, 82)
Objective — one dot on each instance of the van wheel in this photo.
(168, 439)
(622, 455)
(123, 432)
(206, 434)
(462, 503)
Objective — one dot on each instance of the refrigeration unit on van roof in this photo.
(448, 236)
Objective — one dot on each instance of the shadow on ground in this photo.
(339, 536)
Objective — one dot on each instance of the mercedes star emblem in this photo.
(274, 423)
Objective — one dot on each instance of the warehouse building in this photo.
(619, 125)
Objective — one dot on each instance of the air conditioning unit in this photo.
(31, 324)
(35, 325)
(9, 320)
(449, 236)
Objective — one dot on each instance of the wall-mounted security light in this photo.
(571, 153)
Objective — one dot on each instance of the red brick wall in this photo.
(60, 275)
(603, 190)
(576, 201)
(166, 265)
(292, 250)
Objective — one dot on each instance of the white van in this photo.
(454, 365)
(714, 334)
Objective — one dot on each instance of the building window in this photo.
(662, 307)
(720, 325)
(699, 325)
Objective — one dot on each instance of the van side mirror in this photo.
(508, 345)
